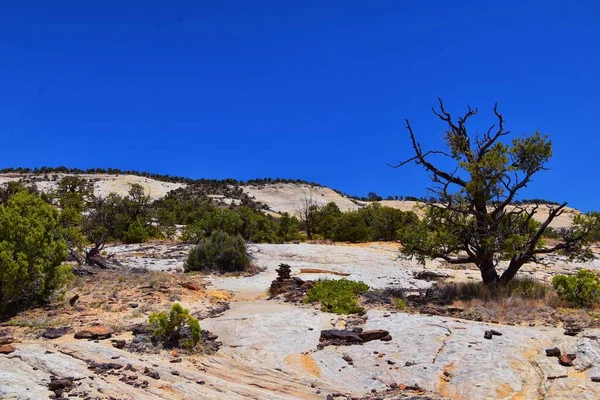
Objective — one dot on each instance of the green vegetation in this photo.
(370, 223)
(136, 233)
(580, 290)
(167, 326)
(221, 252)
(474, 220)
(522, 288)
(32, 252)
(399, 304)
(337, 296)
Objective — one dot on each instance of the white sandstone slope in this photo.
(103, 183)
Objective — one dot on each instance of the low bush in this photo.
(167, 327)
(523, 288)
(579, 290)
(337, 296)
(220, 251)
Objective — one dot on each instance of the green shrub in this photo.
(580, 290)
(352, 227)
(136, 233)
(400, 304)
(31, 252)
(337, 296)
(167, 326)
(221, 252)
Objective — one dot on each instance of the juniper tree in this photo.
(475, 219)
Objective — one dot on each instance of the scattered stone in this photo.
(340, 335)
(386, 338)
(7, 349)
(488, 335)
(95, 332)
(553, 352)
(596, 379)
(572, 330)
(55, 333)
(175, 360)
(565, 361)
(348, 359)
(191, 286)
(367, 336)
(74, 300)
(7, 340)
(140, 329)
(60, 384)
(119, 344)
(200, 382)
(428, 276)
(133, 305)
(495, 332)
(103, 367)
(151, 374)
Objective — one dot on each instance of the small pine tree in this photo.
(136, 233)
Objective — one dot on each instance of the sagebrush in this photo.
(219, 252)
(579, 290)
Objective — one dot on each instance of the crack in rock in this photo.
(448, 334)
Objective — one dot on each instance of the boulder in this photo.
(55, 333)
(95, 332)
(7, 349)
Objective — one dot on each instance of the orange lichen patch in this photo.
(170, 389)
(305, 362)
(573, 373)
(504, 390)
(444, 379)
(321, 271)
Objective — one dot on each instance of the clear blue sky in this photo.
(316, 90)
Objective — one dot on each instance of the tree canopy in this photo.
(476, 218)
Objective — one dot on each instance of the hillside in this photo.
(278, 197)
